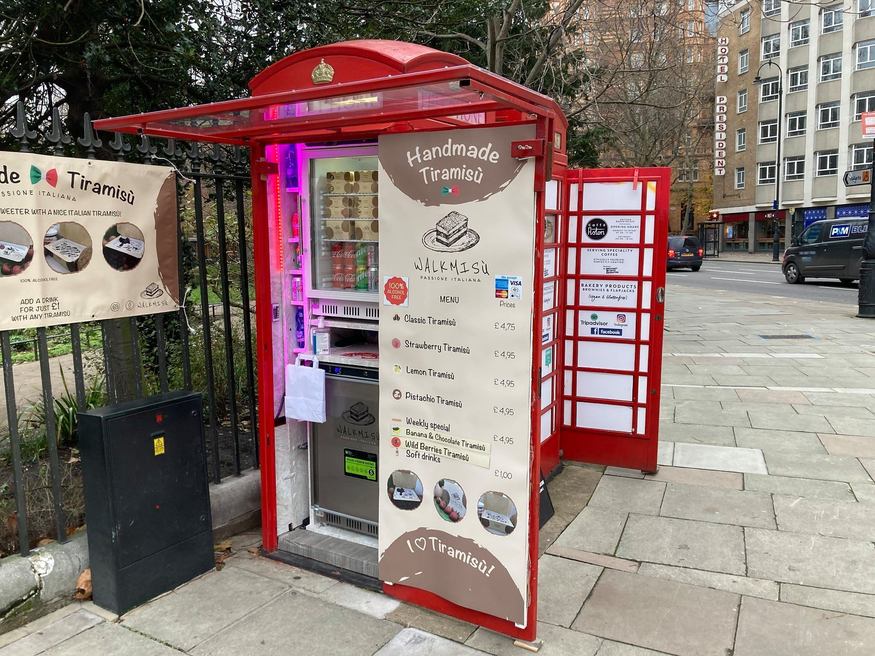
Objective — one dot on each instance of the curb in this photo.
(50, 573)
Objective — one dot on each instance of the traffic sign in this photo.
(867, 123)
(860, 177)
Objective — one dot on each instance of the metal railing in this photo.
(198, 348)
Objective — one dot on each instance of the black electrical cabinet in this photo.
(147, 500)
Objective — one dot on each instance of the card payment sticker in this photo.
(508, 287)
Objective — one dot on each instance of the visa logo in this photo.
(840, 231)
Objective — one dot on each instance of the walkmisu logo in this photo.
(51, 176)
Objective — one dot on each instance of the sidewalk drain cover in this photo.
(786, 336)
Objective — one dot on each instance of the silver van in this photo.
(832, 248)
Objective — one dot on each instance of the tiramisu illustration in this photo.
(451, 234)
(359, 414)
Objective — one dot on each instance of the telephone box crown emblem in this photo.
(323, 73)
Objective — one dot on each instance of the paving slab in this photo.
(200, 609)
(419, 618)
(601, 560)
(771, 396)
(661, 615)
(779, 440)
(735, 459)
(366, 602)
(298, 623)
(813, 465)
(705, 394)
(696, 433)
(611, 648)
(727, 582)
(788, 420)
(702, 477)
(413, 641)
(799, 487)
(563, 586)
(557, 641)
(685, 543)
(38, 640)
(716, 505)
(691, 414)
(628, 495)
(625, 472)
(109, 639)
(594, 530)
(842, 519)
(849, 445)
(835, 410)
(854, 603)
(864, 492)
(836, 399)
(869, 465)
(814, 560)
(292, 576)
(803, 631)
(40, 623)
(664, 452)
(844, 425)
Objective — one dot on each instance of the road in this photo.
(765, 279)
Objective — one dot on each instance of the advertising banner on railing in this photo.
(82, 240)
(457, 239)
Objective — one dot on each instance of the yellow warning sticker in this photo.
(159, 445)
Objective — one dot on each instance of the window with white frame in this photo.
(863, 102)
(828, 115)
(794, 168)
(865, 8)
(690, 174)
(766, 172)
(797, 122)
(865, 54)
(831, 67)
(744, 22)
(740, 139)
(768, 131)
(769, 89)
(831, 19)
(739, 177)
(691, 5)
(743, 61)
(861, 156)
(797, 79)
(770, 46)
(827, 162)
(772, 7)
(742, 101)
(799, 33)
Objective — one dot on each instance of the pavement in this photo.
(755, 538)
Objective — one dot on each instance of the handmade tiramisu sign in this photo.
(457, 237)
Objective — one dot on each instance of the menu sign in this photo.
(457, 239)
(82, 240)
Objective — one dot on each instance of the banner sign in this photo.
(457, 239)
(83, 240)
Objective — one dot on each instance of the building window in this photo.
(861, 156)
(832, 19)
(827, 162)
(769, 90)
(863, 102)
(768, 131)
(766, 173)
(796, 124)
(794, 168)
(691, 5)
(798, 79)
(743, 61)
(742, 101)
(739, 177)
(827, 116)
(740, 139)
(865, 8)
(831, 67)
(772, 7)
(690, 174)
(744, 22)
(799, 33)
(771, 46)
(865, 54)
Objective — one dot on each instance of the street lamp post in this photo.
(776, 231)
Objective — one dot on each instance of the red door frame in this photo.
(636, 449)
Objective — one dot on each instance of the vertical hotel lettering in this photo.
(721, 107)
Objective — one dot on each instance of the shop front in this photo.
(476, 310)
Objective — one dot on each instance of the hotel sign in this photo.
(721, 107)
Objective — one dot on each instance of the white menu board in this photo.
(457, 272)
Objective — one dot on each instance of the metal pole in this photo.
(776, 230)
(866, 299)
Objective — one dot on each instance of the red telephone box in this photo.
(320, 125)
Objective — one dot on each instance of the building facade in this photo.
(796, 78)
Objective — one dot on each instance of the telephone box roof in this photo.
(352, 90)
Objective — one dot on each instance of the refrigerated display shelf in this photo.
(338, 194)
(354, 241)
(350, 218)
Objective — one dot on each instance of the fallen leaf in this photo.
(83, 586)
(44, 542)
(222, 546)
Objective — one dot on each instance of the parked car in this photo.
(683, 252)
(832, 248)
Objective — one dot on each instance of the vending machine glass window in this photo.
(345, 224)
